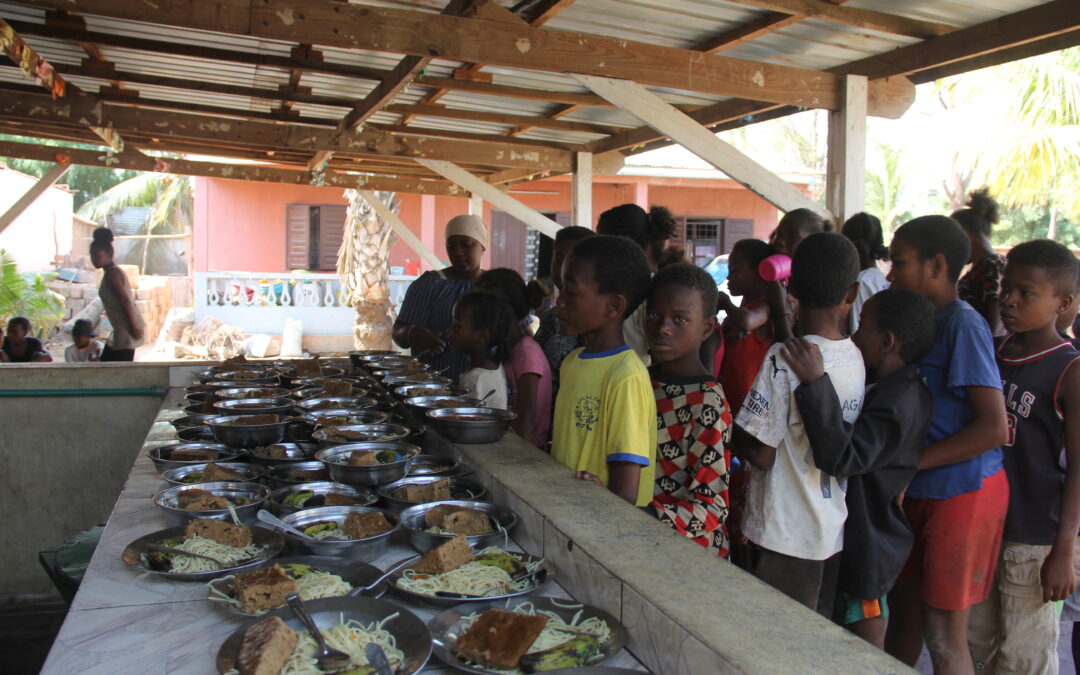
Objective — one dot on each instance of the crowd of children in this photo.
(861, 442)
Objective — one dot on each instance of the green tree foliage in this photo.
(29, 297)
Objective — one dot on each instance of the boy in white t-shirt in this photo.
(795, 513)
(85, 348)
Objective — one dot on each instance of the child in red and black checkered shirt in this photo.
(693, 421)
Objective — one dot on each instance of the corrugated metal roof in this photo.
(809, 44)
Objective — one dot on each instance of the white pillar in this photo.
(476, 205)
(582, 189)
(845, 182)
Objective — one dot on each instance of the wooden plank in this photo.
(1040, 22)
(770, 23)
(498, 118)
(851, 16)
(401, 229)
(682, 129)
(162, 46)
(845, 180)
(514, 175)
(582, 189)
(167, 126)
(36, 190)
(265, 174)
(493, 42)
(492, 195)
(413, 130)
(1022, 51)
(490, 89)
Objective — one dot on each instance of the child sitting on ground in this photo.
(480, 329)
(605, 415)
(84, 348)
(1016, 629)
(527, 370)
(692, 417)
(878, 454)
(956, 502)
(21, 347)
(795, 513)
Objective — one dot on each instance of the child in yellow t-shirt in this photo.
(605, 413)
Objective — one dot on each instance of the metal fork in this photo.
(328, 658)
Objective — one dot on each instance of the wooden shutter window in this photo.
(331, 232)
(297, 236)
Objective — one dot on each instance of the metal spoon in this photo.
(376, 658)
(481, 402)
(327, 658)
(383, 577)
(271, 519)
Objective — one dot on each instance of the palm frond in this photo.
(142, 190)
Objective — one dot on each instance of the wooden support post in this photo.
(682, 129)
(401, 229)
(845, 182)
(582, 189)
(44, 183)
(476, 205)
(493, 195)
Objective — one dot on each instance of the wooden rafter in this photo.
(770, 22)
(277, 137)
(498, 118)
(489, 41)
(295, 176)
(851, 16)
(540, 12)
(52, 175)
(569, 98)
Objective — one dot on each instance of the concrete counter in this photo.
(686, 610)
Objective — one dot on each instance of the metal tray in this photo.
(272, 543)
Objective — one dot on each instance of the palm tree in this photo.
(364, 267)
(30, 298)
(171, 202)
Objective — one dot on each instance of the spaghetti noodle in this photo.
(350, 637)
(228, 555)
(310, 585)
(472, 578)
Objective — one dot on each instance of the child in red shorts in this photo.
(957, 501)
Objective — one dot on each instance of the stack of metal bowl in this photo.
(393, 460)
(364, 550)
(247, 500)
(471, 425)
(249, 431)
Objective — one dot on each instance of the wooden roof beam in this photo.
(769, 23)
(269, 136)
(540, 12)
(499, 118)
(851, 16)
(483, 40)
(312, 64)
(222, 170)
(487, 88)
(50, 177)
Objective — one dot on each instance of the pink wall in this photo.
(240, 225)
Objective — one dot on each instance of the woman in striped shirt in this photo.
(426, 312)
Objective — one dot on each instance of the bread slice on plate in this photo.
(467, 521)
(215, 472)
(445, 557)
(266, 647)
(263, 589)
(220, 531)
(364, 525)
(498, 639)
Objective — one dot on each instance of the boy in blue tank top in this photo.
(1015, 630)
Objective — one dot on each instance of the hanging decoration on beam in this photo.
(29, 61)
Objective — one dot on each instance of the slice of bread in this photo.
(467, 521)
(498, 639)
(364, 525)
(434, 516)
(362, 458)
(220, 531)
(338, 499)
(215, 472)
(445, 557)
(263, 589)
(208, 502)
(266, 647)
(191, 455)
(423, 493)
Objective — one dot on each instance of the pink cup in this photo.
(776, 267)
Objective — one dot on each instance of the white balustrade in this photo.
(259, 302)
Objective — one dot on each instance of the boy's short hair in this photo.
(823, 269)
(20, 321)
(82, 327)
(803, 220)
(753, 251)
(491, 311)
(619, 266)
(1057, 261)
(933, 235)
(573, 233)
(910, 317)
(509, 284)
(689, 276)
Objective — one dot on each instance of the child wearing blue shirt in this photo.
(957, 501)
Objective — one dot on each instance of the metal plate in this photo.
(272, 543)
(445, 628)
(412, 636)
(453, 602)
(356, 574)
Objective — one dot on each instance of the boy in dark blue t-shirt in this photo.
(957, 501)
